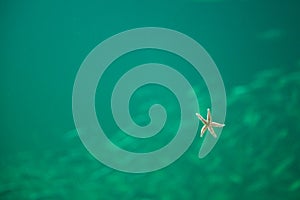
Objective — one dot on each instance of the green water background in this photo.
(255, 45)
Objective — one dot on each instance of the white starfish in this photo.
(208, 124)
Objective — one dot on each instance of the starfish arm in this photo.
(201, 118)
(203, 130)
(208, 118)
(212, 132)
(215, 124)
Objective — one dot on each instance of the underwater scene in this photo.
(98, 100)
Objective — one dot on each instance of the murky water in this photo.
(256, 48)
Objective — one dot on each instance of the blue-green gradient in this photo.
(255, 45)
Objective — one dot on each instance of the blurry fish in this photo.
(295, 186)
(271, 34)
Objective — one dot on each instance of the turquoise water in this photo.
(255, 46)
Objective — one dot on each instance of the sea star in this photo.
(208, 124)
